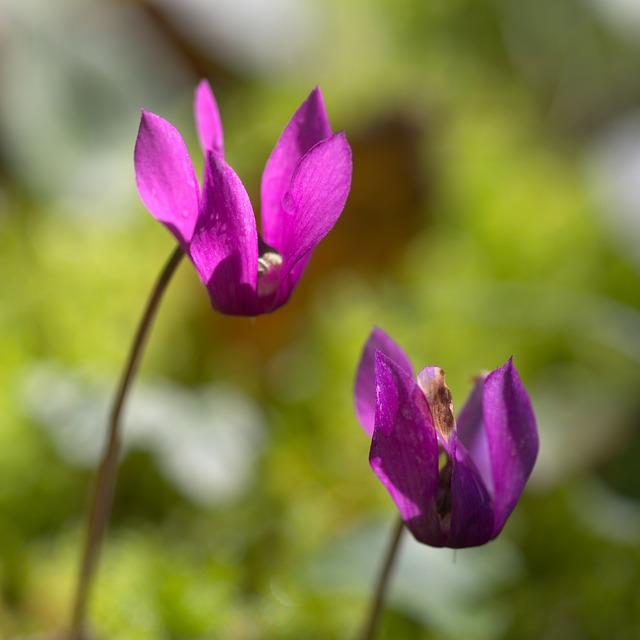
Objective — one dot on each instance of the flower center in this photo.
(269, 268)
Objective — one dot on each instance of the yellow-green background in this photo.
(495, 211)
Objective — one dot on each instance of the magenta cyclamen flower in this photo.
(304, 189)
(454, 484)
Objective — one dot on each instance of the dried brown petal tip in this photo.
(431, 381)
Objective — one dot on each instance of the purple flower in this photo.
(304, 189)
(454, 485)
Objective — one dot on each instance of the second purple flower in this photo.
(455, 484)
(305, 186)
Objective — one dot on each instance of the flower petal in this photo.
(317, 195)
(365, 385)
(307, 127)
(472, 513)
(512, 437)
(224, 247)
(472, 434)
(166, 180)
(208, 123)
(404, 450)
(319, 189)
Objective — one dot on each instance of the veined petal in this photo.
(208, 123)
(472, 512)
(404, 450)
(316, 197)
(472, 434)
(512, 438)
(224, 247)
(307, 127)
(365, 385)
(166, 180)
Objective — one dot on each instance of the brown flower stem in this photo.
(102, 500)
(377, 604)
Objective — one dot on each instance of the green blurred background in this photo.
(495, 211)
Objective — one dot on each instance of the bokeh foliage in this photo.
(487, 219)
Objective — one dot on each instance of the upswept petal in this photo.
(166, 180)
(207, 116)
(224, 247)
(471, 505)
(307, 127)
(404, 450)
(365, 384)
(512, 438)
(472, 434)
(316, 197)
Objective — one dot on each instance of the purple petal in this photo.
(472, 513)
(365, 385)
(404, 450)
(472, 434)
(224, 247)
(307, 127)
(208, 123)
(166, 180)
(317, 195)
(312, 206)
(512, 438)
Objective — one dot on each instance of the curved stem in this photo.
(377, 604)
(107, 471)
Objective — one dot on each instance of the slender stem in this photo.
(377, 604)
(106, 476)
